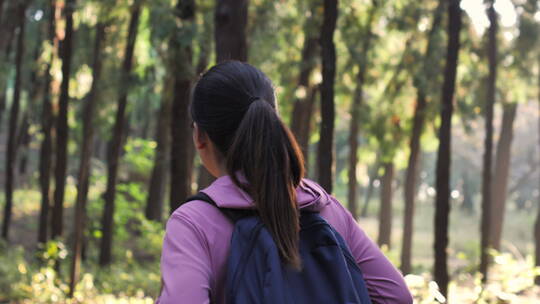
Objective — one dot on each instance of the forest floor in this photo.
(134, 277)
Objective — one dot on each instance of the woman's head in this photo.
(234, 109)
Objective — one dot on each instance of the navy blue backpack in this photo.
(255, 273)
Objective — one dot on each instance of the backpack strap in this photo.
(232, 214)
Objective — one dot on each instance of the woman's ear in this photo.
(200, 138)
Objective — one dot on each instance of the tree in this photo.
(325, 155)
(502, 170)
(537, 222)
(442, 203)
(66, 50)
(83, 177)
(488, 142)
(182, 146)
(427, 73)
(385, 212)
(11, 157)
(358, 98)
(47, 122)
(115, 145)
(230, 22)
(154, 204)
(303, 106)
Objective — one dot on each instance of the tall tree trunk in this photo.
(156, 191)
(230, 22)
(83, 177)
(385, 212)
(62, 124)
(34, 88)
(116, 143)
(23, 140)
(373, 176)
(442, 203)
(488, 143)
(11, 157)
(467, 204)
(502, 168)
(182, 149)
(47, 123)
(414, 144)
(355, 112)
(325, 153)
(302, 108)
(537, 222)
(1, 10)
(8, 25)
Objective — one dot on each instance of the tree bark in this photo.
(47, 124)
(385, 212)
(414, 144)
(467, 204)
(8, 25)
(156, 191)
(11, 157)
(182, 149)
(502, 169)
(442, 203)
(488, 144)
(355, 112)
(325, 155)
(303, 107)
(86, 154)
(537, 222)
(230, 22)
(373, 176)
(116, 143)
(62, 124)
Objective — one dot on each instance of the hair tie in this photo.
(253, 98)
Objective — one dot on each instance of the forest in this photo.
(421, 117)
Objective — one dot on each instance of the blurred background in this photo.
(421, 117)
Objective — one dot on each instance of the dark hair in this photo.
(234, 103)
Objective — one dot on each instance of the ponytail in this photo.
(264, 150)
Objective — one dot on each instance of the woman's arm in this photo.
(185, 263)
(384, 282)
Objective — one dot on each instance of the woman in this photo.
(242, 141)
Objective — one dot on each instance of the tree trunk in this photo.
(373, 176)
(230, 22)
(537, 222)
(442, 203)
(325, 155)
(86, 154)
(488, 144)
(8, 25)
(156, 191)
(182, 149)
(414, 144)
(502, 168)
(1, 10)
(355, 112)
(11, 157)
(47, 124)
(302, 108)
(62, 124)
(116, 143)
(385, 212)
(467, 204)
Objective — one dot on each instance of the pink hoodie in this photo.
(196, 246)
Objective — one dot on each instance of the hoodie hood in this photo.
(226, 194)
